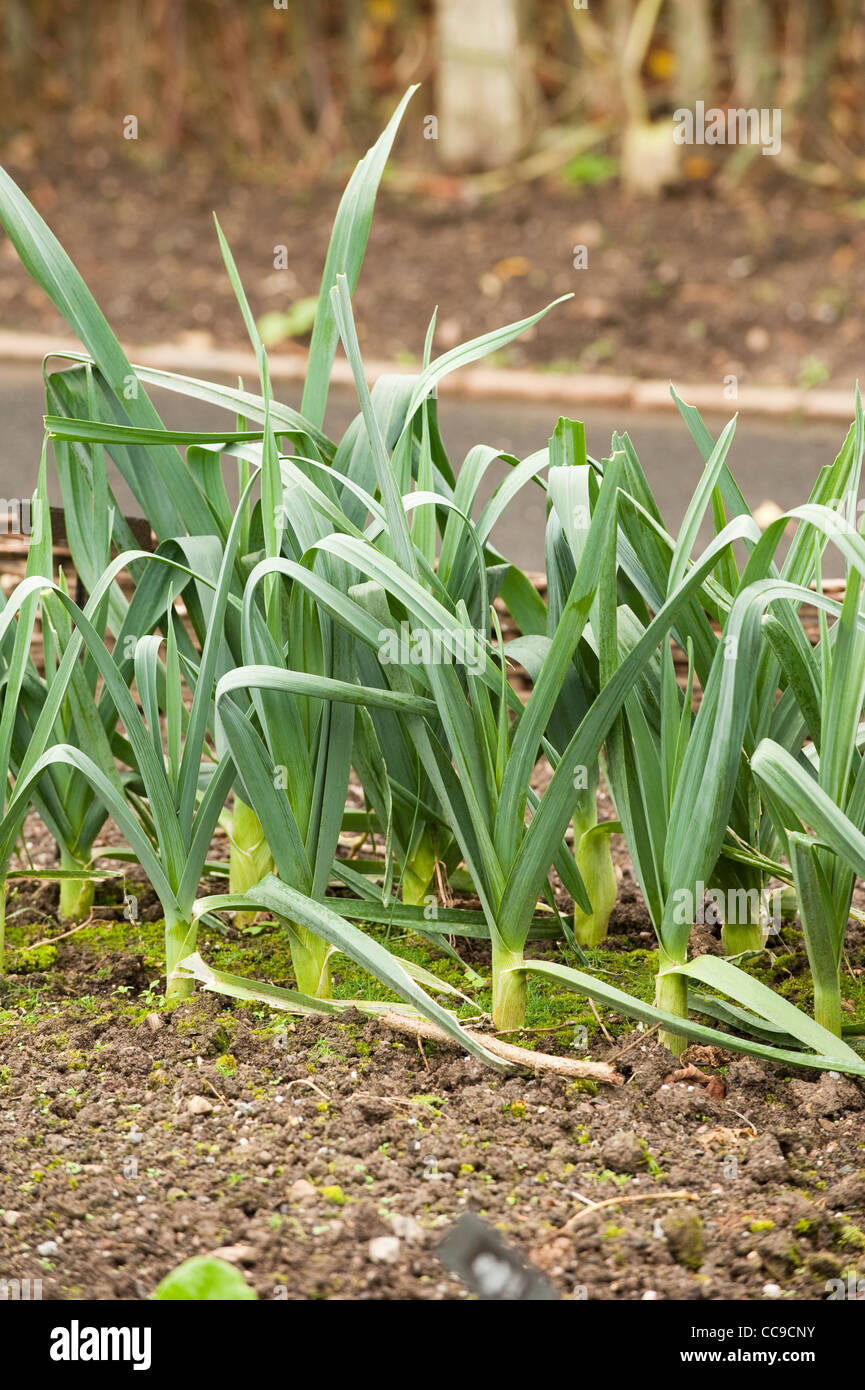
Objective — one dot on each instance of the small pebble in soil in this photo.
(235, 1254)
(384, 1250)
(198, 1105)
(407, 1228)
(772, 1290)
(301, 1191)
(48, 1247)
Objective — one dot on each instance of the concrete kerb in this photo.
(482, 383)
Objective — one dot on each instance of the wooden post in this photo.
(692, 39)
(753, 61)
(478, 89)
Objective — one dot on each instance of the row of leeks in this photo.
(336, 627)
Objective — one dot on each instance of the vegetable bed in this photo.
(334, 848)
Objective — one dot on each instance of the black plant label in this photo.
(477, 1255)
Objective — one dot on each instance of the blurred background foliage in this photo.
(529, 85)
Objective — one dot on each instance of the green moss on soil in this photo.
(263, 953)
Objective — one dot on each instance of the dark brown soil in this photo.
(762, 282)
(129, 1144)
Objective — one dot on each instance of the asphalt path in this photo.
(771, 460)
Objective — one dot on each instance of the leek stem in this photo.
(671, 994)
(418, 870)
(827, 1004)
(311, 961)
(2, 926)
(250, 859)
(741, 936)
(509, 988)
(742, 929)
(595, 863)
(76, 894)
(180, 938)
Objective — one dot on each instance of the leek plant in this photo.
(676, 779)
(470, 777)
(67, 808)
(305, 741)
(302, 820)
(682, 785)
(69, 811)
(595, 894)
(184, 785)
(823, 788)
(467, 573)
(568, 466)
(42, 755)
(65, 804)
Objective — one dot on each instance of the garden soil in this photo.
(327, 1159)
